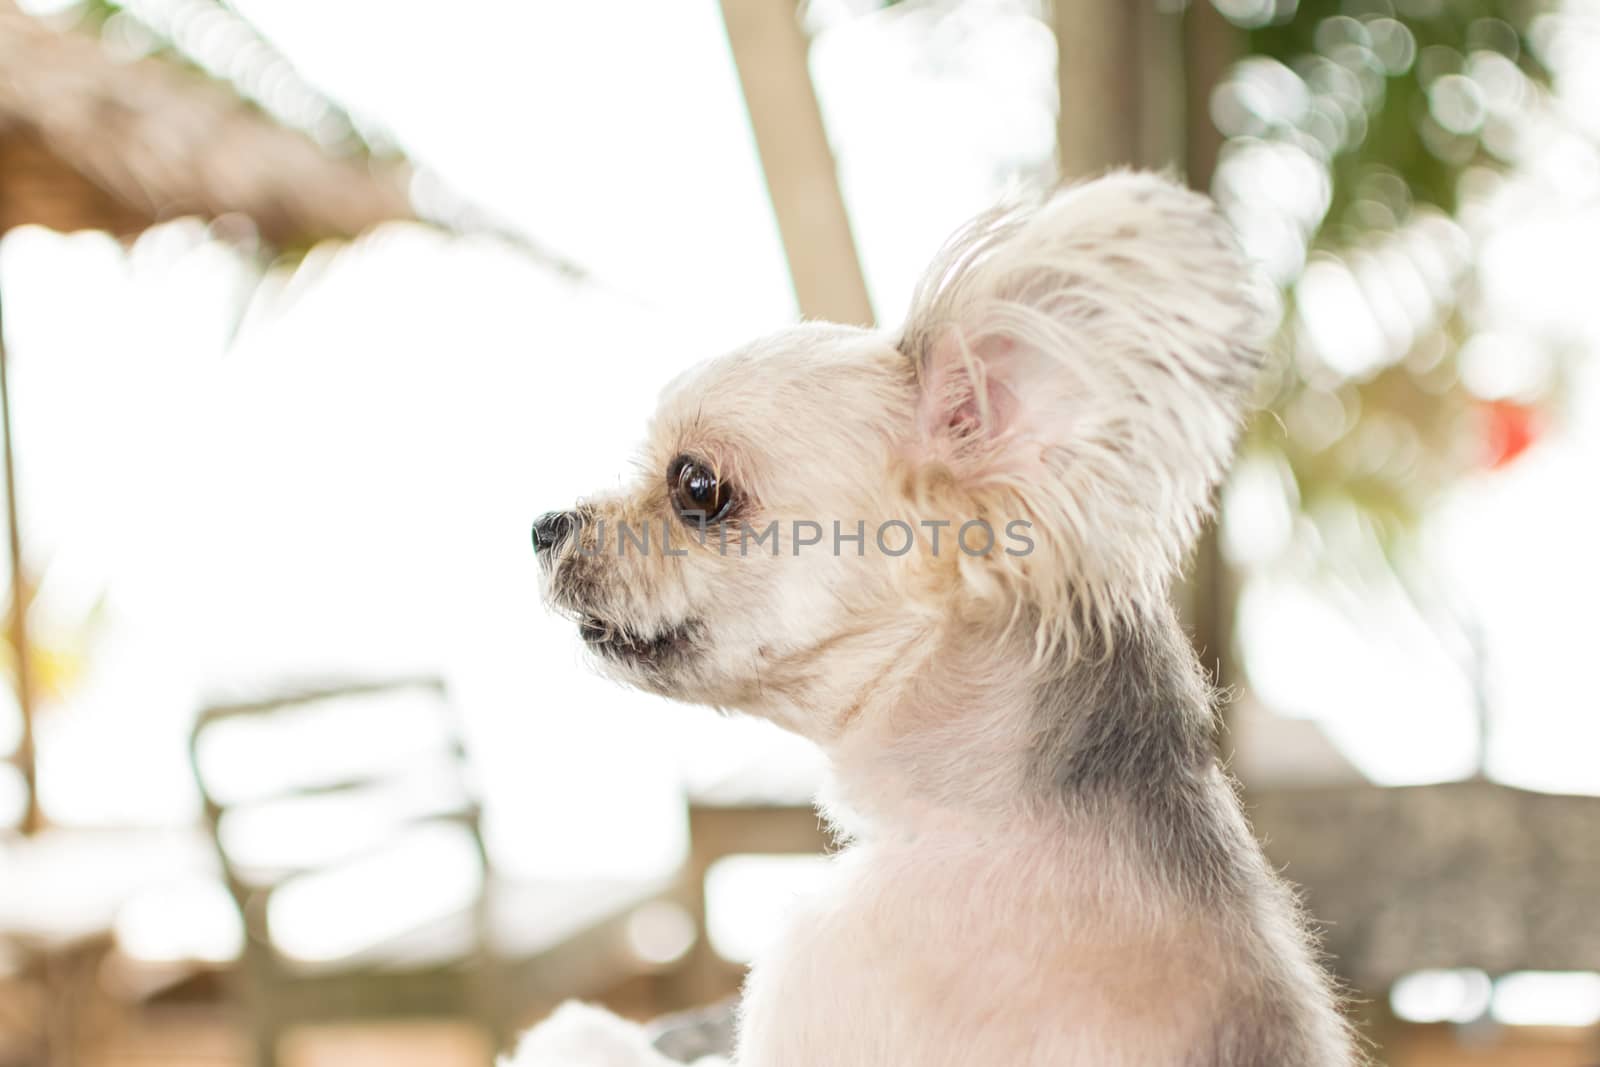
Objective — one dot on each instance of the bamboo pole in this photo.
(17, 617)
(769, 50)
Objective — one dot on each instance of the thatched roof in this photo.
(89, 140)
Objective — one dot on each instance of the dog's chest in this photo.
(901, 964)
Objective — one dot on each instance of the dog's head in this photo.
(1034, 450)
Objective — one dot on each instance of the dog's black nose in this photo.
(552, 528)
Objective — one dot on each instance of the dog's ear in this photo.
(1083, 365)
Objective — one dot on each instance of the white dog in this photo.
(943, 553)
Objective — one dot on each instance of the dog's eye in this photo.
(698, 495)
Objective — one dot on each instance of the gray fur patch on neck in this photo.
(1125, 743)
(1126, 735)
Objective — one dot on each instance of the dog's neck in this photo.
(1129, 714)
(1113, 738)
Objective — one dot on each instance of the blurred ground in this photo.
(208, 1038)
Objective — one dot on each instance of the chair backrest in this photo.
(345, 819)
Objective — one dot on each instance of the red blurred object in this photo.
(1509, 428)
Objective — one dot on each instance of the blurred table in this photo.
(1470, 874)
(65, 884)
(764, 806)
(60, 894)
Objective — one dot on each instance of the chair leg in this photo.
(702, 976)
(265, 1035)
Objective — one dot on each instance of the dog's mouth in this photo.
(623, 643)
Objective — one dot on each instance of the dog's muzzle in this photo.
(552, 528)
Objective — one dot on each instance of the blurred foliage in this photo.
(1357, 133)
(1409, 46)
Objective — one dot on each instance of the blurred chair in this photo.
(350, 837)
(720, 828)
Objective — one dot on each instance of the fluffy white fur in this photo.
(1047, 867)
(1096, 351)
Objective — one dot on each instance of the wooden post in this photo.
(17, 618)
(769, 50)
(1135, 81)
(1118, 73)
(1097, 77)
(1210, 46)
